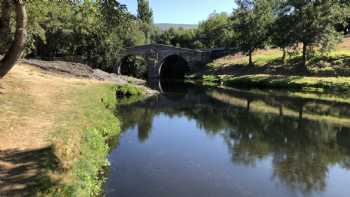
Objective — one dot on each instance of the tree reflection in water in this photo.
(304, 137)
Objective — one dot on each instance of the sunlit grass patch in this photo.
(340, 57)
(82, 137)
(292, 82)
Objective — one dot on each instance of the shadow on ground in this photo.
(319, 66)
(1, 89)
(27, 173)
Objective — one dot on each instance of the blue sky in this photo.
(183, 11)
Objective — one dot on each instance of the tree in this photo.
(145, 15)
(313, 25)
(90, 32)
(251, 21)
(186, 38)
(5, 25)
(19, 41)
(345, 27)
(113, 13)
(282, 35)
(215, 32)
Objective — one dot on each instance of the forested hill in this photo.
(166, 26)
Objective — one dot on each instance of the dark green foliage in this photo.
(94, 32)
(252, 20)
(144, 12)
(258, 24)
(91, 32)
(215, 32)
(344, 27)
(5, 16)
(309, 84)
(134, 66)
(185, 38)
(145, 15)
(281, 34)
(313, 24)
(128, 91)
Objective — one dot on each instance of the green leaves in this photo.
(252, 20)
(144, 12)
(215, 31)
(88, 31)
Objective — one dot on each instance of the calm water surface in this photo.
(214, 142)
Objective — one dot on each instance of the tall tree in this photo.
(251, 20)
(282, 34)
(215, 31)
(145, 14)
(5, 25)
(113, 12)
(345, 27)
(19, 41)
(313, 24)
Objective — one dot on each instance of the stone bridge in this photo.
(165, 61)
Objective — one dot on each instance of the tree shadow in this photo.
(317, 66)
(275, 67)
(331, 66)
(1, 88)
(27, 173)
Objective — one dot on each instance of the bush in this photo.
(127, 91)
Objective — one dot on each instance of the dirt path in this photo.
(30, 100)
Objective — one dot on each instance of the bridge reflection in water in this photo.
(278, 145)
(168, 85)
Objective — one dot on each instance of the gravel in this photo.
(84, 71)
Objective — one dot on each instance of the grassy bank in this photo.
(81, 138)
(59, 128)
(94, 124)
(329, 72)
(314, 84)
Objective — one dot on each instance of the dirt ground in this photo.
(31, 99)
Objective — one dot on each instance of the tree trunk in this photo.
(5, 21)
(304, 56)
(146, 37)
(284, 56)
(19, 41)
(248, 105)
(251, 58)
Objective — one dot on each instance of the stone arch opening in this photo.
(133, 65)
(174, 67)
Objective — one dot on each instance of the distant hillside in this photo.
(166, 26)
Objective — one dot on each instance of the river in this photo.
(195, 141)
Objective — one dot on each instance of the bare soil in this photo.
(32, 96)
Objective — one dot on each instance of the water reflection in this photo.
(303, 138)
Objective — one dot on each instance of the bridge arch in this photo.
(174, 67)
(160, 59)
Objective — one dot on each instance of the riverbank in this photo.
(54, 132)
(324, 73)
(299, 83)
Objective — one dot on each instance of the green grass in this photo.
(83, 138)
(329, 72)
(128, 90)
(319, 84)
(340, 52)
(270, 57)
